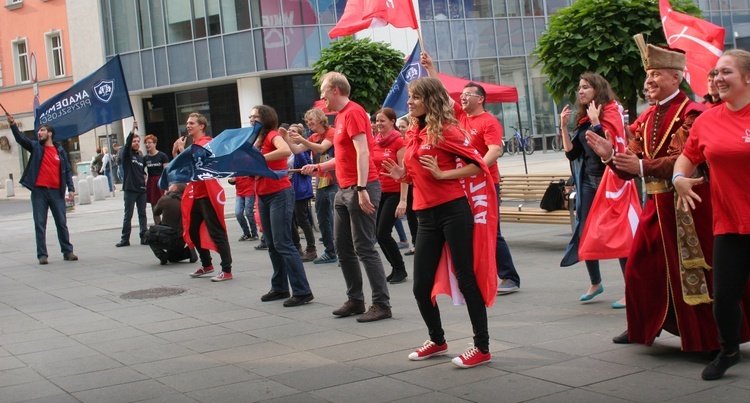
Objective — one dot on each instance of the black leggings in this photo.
(450, 222)
(731, 272)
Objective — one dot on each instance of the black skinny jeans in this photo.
(731, 272)
(202, 211)
(384, 230)
(450, 222)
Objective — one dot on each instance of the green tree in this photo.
(371, 67)
(597, 35)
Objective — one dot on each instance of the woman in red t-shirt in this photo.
(389, 145)
(275, 207)
(721, 138)
(445, 216)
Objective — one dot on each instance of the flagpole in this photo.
(6, 112)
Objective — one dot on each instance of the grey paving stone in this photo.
(151, 353)
(395, 362)
(74, 366)
(179, 365)
(221, 342)
(35, 346)
(323, 377)
(205, 332)
(115, 331)
(176, 398)
(130, 392)
(62, 354)
(509, 388)
(29, 335)
(247, 353)
(527, 357)
(578, 396)
(298, 398)
(432, 397)
(43, 390)
(320, 339)
(285, 331)
(76, 329)
(98, 379)
(250, 391)
(207, 378)
(380, 389)
(17, 376)
(721, 393)
(8, 362)
(357, 349)
(580, 372)
(282, 364)
(119, 344)
(650, 386)
(170, 325)
(445, 376)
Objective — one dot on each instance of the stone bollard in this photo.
(84, 197)
(9, 191)
(75, 180)
(101, 188)
(90, 180)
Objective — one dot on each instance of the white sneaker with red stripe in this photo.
(222, 276)
(472, 357)
(428, 349)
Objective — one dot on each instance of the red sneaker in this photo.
(428, 349)
(222, 276)
(202, 271)
(472, 357)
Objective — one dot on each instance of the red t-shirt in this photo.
(199, 188)
(721, 138)
(484, 130)
(267, 186)
(326, 178)
(49, 171)
(428, 191)
(381, 153)
(351, 121)
(245, 186)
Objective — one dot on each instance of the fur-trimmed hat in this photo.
(655, 57)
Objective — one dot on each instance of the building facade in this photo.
(222, 57)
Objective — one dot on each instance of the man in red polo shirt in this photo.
(356, 202)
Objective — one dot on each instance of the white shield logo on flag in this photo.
(104, 90)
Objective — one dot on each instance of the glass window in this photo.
(478, 8)
(202, 65)
(503, 38)
(485, 70)
(181, 63)
(124, 21)
(210, 25)
(144, 24)
(499, 8)
(179, 28)
(156, 14)
(147, 64)
(425, 10)
(21, 61)
(235, 15)
(533, 7)
(216, 50)
(457, 68)
(307, 50)
(326, 12)
(459, 34)
(456, 9)
(481, 38)
(554, 5)
(529, 34)
(516, 36)
(55, 55)
(513, 72)
(199, 23)
(298, 12)
(238, 49)
(444, 39)
(191, 102)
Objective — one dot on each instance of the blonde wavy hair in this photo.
(438, 105)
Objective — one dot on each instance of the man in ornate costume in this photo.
(666, 289)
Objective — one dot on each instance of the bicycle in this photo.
(557, 142)
(526, 142)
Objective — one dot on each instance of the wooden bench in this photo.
(520, 195)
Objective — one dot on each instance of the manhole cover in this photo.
(153, 293)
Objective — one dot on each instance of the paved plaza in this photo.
(68, 335)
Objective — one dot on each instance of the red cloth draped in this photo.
(217, 198)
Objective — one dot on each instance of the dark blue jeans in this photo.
(324, 199)
(355, 241)
(43, 199)
(139, 201)
(276, 218)
(506, 270)
(450, 223)
(244, 210)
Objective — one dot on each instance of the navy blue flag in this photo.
(229, 154)
(98, 99)
(399, 94)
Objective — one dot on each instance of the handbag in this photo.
(164, 236)
(554, 196)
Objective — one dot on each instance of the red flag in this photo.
(615, 211)
(701, 41)
(363, 14)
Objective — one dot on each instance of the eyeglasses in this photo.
(468, 94)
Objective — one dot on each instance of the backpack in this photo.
(96, 164)
(164, 236)
(554, 196)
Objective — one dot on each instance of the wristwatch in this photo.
(360, 188)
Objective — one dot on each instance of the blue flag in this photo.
(230, 154)
(399, 94)
(98, 99)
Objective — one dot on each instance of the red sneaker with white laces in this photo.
(472, 357)
(222, 276)
(202, 271)
(428, 349)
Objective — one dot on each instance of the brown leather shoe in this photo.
(70, 256)
(376, 312)
(350, 308)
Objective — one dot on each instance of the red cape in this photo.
(218, 199)
(480, 190)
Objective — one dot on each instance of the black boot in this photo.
(399, 276)
(716, 369)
